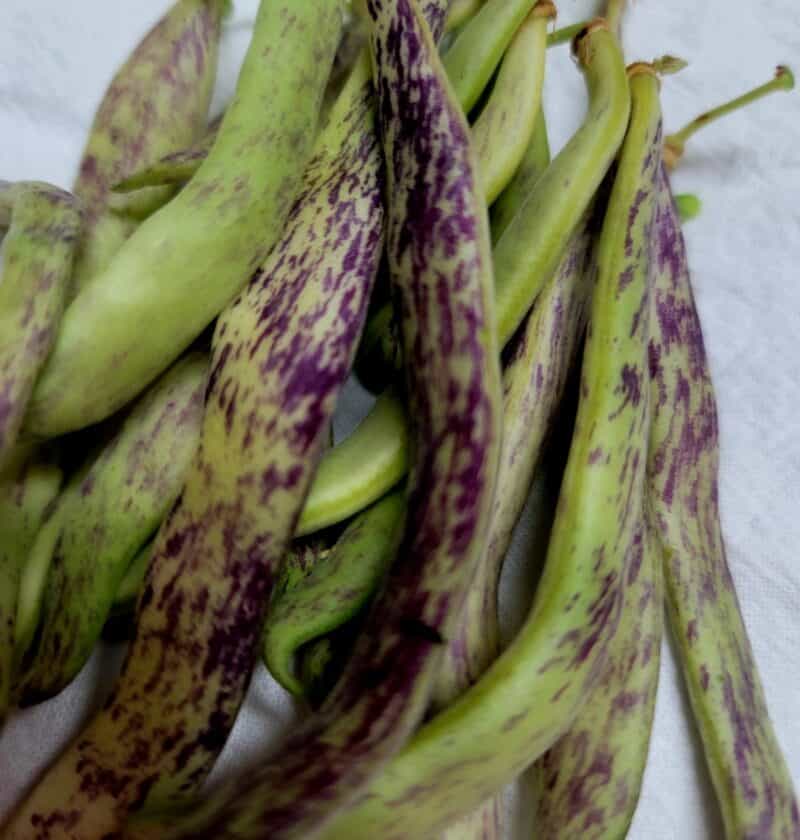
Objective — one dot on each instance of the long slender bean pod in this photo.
(752, 782)
(526, 256)
(439, 256)
(44, 224)
(156, 103)
(279, 358)
(592, 776)
(539, 362)
(534, 380)
(479, 46)
(459, 12)
(530, 696)
(119, 504)
(503, 131)
(188, 260)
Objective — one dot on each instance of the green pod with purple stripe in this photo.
(438, 251)
(268, 402)
(156, 103)
(591, 777)
(108, 513)
(749, 773)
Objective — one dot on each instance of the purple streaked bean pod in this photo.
(530, 696)
(156, 103)
(592, 776)
(281, 352)
(752, 782)
(539, 360)
(438, 252)
(110, 511)
(44, 224)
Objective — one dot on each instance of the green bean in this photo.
(44, 224)
(361, 469)
(592, 776)
(526, 257)
(503, 131)
(116, 507)
(753, 784)
(532, 693)
(459, 12)
(479, 46)
(131, 584)
(227, 217)
(186, 262)
(530, 169)
(156, 103)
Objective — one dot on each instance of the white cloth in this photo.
(55, 61)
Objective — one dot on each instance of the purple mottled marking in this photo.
(747, 768)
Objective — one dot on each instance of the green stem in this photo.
(675, 143)
(566, 34)
(614, 12)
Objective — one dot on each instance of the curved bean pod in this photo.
(592, 776)
(540, 360)
(200, 612)
(534, 380)
(44, 224)
(532, 693)
(503, 131)
(361, 469)
(335, 590)
(477, 50)
(528, 253)
(157, 102)
(459, 12)
(28, 485)
(750, 777)
(186, 262)
(116, 506)
(438, 250)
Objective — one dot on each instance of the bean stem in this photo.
(675, 143)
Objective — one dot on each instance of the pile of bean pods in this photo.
(377, 200)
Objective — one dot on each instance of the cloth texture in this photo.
(55, 62)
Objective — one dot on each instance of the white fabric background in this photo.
(55, 60)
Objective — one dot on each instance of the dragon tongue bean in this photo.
(752, 782)
(532, 693)
(44, 224)
(438, 247)
(592, 776)
(119, 503)
(186, 262)
(200, 613)
(525, 257)
(156, 103)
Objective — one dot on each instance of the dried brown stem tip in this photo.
(579, 44)
(545, 9)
